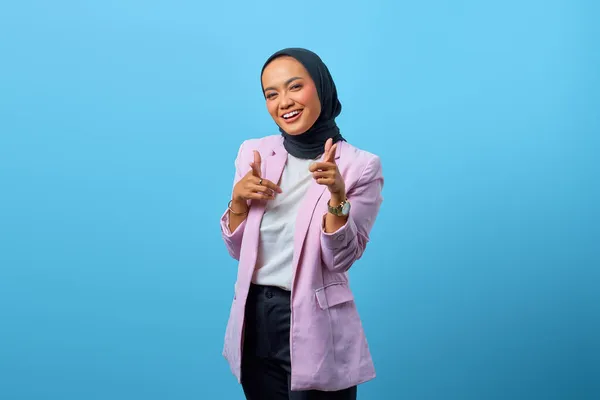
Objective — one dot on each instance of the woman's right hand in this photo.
(252, 186)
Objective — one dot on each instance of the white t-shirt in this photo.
(276, 246)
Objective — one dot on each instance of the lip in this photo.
(294, 118)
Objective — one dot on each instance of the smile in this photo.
(292, 115)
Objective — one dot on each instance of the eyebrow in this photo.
(286, 83)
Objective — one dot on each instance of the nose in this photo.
(285, 102)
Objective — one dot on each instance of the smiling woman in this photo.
(292, 102)
(294, 331)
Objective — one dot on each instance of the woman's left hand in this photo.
(326, 173)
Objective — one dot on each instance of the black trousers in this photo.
(266, 365)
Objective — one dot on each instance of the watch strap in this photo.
(336, 210)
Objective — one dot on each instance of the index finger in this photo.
(330, 156)
(328, 144)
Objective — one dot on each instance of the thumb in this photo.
(256, 167)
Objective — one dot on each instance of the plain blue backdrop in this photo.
(119, 124)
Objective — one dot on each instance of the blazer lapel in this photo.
(307, 211)
(275, 163)
(305, 216)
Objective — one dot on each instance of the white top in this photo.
(276, 245)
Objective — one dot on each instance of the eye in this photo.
(296, 86)
(271, 95)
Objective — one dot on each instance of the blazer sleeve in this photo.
(233, 240)
(340, 249)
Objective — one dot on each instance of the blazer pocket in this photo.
(333, 294)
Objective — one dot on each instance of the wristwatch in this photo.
(342, 210)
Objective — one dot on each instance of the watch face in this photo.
(346, 208)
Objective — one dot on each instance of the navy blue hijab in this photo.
(311, 143)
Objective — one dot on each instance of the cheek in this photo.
(310, 99)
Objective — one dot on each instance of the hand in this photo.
(326, 173)
(252, 186)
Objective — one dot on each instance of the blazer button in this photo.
(341, 237)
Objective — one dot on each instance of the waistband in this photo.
(268, 291)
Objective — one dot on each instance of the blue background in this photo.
(119, 124)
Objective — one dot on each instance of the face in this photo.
(291, 95)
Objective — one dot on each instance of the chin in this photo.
(294, 129)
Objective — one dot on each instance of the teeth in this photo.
(291, 114)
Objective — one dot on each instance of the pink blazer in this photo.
(328, 347)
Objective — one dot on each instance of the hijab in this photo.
(311, 144)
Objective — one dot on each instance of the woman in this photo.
(303, 204)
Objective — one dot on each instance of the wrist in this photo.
(238, 205)
(337, 199)
(237, 199)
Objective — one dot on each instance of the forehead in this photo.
(281, 69)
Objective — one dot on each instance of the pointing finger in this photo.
(331, 155)
(328, 144)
